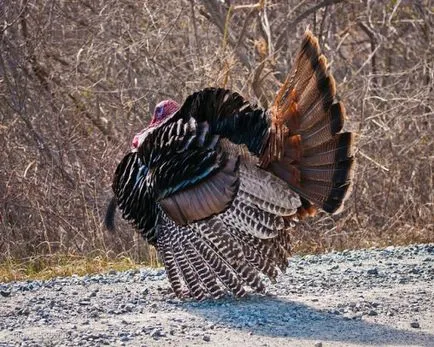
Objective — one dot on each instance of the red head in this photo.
(163, 110)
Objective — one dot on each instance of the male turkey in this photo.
(215, 183)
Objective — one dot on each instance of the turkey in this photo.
(215, 183)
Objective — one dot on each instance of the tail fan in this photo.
(305, 147)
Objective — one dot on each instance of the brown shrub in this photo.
(78, 79)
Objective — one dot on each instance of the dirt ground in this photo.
(356, 298)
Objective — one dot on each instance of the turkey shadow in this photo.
(279, 317)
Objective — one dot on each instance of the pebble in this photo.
(112, 301)
(157, 333)
(5, 293)
(373, 271)
(124, 338)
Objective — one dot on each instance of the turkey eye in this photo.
(159, 111)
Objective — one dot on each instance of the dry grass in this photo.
(78, 79)
(308, 240)
(61, 265)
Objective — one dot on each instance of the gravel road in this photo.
(352, 298)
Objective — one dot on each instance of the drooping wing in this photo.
(134, 197)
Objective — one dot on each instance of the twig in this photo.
(8, 25)
(305, 14)
(218, 18)
(374, 47)
(167, 34)
(373, 161)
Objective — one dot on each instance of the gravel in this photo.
(351, 298)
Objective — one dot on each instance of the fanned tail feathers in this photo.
(305, 147)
